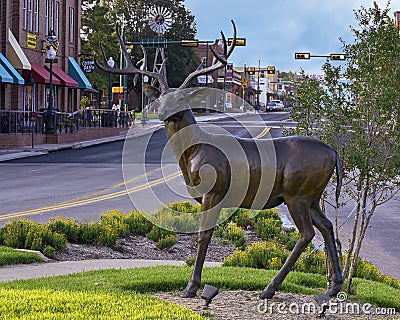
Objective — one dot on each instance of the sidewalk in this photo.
(135, 131)
(49, 269)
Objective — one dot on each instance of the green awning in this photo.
(77, 74)
(7, 68)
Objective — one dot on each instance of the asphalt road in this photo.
(82, 183)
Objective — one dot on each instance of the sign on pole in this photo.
(229, 72)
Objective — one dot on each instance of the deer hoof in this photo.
(267, 293)
(334, 289)
(189, 294)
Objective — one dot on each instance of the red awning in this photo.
(39, 74)
(64, 78)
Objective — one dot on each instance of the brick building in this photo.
(24, 74)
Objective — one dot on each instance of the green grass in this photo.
(50, 304)
(12, 256)
(127, 283)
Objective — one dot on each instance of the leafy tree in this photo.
(355, 108)
(99, 24)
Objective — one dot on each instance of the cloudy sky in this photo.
(276, 29)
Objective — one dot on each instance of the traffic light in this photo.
(271, 70)
(189, 43)
(251, 70)
(337, 56)
(302, 55)
(240, 42)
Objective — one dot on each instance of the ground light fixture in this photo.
(209, 293)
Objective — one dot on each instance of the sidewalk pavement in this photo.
(49, 269)
(137, 130)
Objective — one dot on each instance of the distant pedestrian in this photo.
(89, 117)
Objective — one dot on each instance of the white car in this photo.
(279, 106)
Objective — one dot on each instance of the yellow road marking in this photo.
(88, 200)
(123, 184)
(262, 133)
(92, 200)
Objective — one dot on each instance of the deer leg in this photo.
(300, 213)
(208, 220)
(324, 225)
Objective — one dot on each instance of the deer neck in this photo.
(184, 134)
(182, 122)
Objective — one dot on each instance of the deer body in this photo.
(221, 170)
(304, 167)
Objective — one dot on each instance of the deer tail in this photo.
(339, 176)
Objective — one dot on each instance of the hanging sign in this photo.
(88, 65)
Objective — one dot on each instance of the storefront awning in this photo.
(16, 56)
(5, 76)
(10, 70)
(39, 74)
(77, 74)
(65, 79)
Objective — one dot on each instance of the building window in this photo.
(71, 25)
(52, 16)
(56, 19)
(51, 20)
(30, 14)
(47, 17)
(25, 12)
(36, 15)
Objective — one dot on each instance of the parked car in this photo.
(274, 105)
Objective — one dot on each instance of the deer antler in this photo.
(130, 67)
(222, 59)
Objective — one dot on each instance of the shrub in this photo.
(89, 232)
(190, 261)
(49, 251)
(178, 216)
(26, 234)
(368, 271)
(242, 217)
(114, 220)
(268, 228)
(69, 227)
(157, 233)
(137, 223)
(268, 214)
(311, 262)
(233, 233)
(260, 255)
(167, 242)
(288, 237)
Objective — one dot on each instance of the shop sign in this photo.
(31, 41)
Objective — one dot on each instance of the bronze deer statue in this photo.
(268, 172)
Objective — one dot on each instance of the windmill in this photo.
(160, 21)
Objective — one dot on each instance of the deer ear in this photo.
(151, 91)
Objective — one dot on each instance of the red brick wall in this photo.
(11, 16)
(10, 141)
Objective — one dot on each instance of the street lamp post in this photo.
(110, 63)
(51, 45)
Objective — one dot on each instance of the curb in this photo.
(82, 144)
(41, 270)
